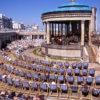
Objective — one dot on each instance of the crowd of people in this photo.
(20, 45)
(8, 95)
(24, 44)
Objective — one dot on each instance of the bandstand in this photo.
(68, 29)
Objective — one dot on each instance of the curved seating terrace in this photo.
(50, 77)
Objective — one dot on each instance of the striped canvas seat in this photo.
(64, 88)
(53, 87)
(92, 72)
(97, 80)
(89, 80)
(70, 79)
(84, 72)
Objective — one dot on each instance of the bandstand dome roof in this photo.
(72, 7)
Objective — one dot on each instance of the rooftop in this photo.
(72, 7)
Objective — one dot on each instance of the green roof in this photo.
(73, 6)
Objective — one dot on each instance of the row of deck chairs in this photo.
(48, 87)
(52, 77)
(78, 65)
(60, 70)
(48, 63)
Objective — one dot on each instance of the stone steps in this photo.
(91, 54)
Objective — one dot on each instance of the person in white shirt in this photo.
(53, 83)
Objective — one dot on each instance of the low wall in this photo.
(62, 52)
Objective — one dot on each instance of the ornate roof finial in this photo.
(72, 0)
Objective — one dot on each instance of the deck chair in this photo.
(92, 72)
(89, 80)
(97, 80)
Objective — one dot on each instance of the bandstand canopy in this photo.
(72, 7)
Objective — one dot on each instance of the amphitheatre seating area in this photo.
(51, 78)
(25, 77)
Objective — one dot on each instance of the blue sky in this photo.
(29, 11)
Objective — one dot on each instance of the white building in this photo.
(35, 27)
(18, 26)
(5, 22)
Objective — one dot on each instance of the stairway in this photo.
(92, 56)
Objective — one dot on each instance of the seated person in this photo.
(85, 65)
(44, 86)
(61, 78)
(85, 91)
(16, 82)
(25, 85)
(66, 65)
(84, 72)
(12, 95)
(76, 71)
(69, 71)
(34, 86)
(9, 81)
(89, 80)
(92, 72)
(74, 65)
(52, 77)
(36, 76)
(43, 77)
(79, 65)
(70, 79)
(95, 92)
(80, 80)
(74, 88)
(64, 88)
(48, 69)
(28, 75)
(53, 87)
(62, 71)
(55, 70)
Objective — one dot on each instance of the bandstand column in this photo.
(61, 29)
(45, 27)
(48, 33)
(90, 31)
(82, 32)
(52, 30)
(68, 28)
(55, 28)
(58, 28)
(65, 29)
